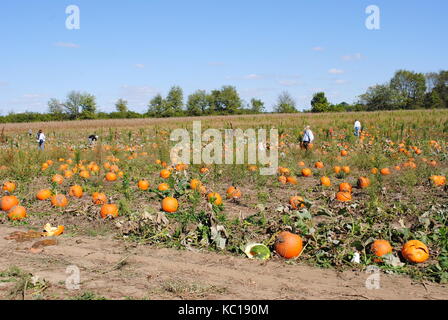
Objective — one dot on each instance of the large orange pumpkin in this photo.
(415, 251)
(44, 194)
(165, 174)
(170, 204)
(109, 210)
(288, 245)
(59, 200)
(17, 213)
(8, 202)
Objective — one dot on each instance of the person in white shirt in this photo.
(308, 137)
(357, 128)
(41, 140)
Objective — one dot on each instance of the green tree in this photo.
(256, 105)
(88, 106)
(122, 106)
(156, 107)
(285, 103)
(226, 100)
(381, 97)
(198, 103)
(72, 106)
(174, 102)
(411, 86)
(433, 100)
(55, 107)
(319, 103)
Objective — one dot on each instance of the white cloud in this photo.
(140, 66)
(352, 57)
(288, 83)
(318, 49)
(336, 71)
(66, 45)
(253, 76)
(340, 81)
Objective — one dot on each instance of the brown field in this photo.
(146, 253)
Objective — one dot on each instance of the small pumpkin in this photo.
(288, 245)
(163, 187)
(306, 172)
(111, 176)
(345, 187)
(385, 171)
(346, 169)
(292, 180)
(325, 181)
(344, 196)
(76, 191)
(282, 179)
(143, 185)
(165, 174)
(319, 165)
(9, 186)
(8, 202)
(57, 178)
(109, 210)
(380, 248)
(170, 204)
(84, 174)
(17, 213)
(99, 198)
(195, 184)
(44, 194)
(59, 200)
(215, 198)
(297, 202)
(363, 182)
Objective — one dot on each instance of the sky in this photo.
(135, 49)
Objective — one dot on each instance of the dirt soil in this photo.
(116, 269)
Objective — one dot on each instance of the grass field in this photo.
(400, 205)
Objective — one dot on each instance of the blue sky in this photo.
(136, 48)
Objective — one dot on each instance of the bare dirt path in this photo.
(116, 269)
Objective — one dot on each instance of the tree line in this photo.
(406, 90)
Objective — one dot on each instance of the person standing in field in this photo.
(308, 137)
(357, 128)
(41, 140)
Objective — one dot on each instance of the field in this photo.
(197, 250)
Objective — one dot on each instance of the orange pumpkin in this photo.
(165, 174)
(344, 196)
(111, 176)
(76, 191)
(374, 171)
(143, 185)
(363, 182)
(170, 204)
(109, 210)
(233, 193)
(319, 165)
(297, 202)
(204, 170)
(59, 200)
(337, 169)
(215, 198)
(84, 174)
(380, 248)
(57, 178)
(325, 181)
(9, 186)
(8, 202)
(44, 194)
(195, 184)
(344, 153)
(288, 245)
(99, 198)
(385, 171)
(345, 187)
(282, 179)
(415, 251)
(301, 164)
(68, 174)
(306, 172)
(163, 187)
(292, 180)
(17, 213)
(346, 169)
(438, 180)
